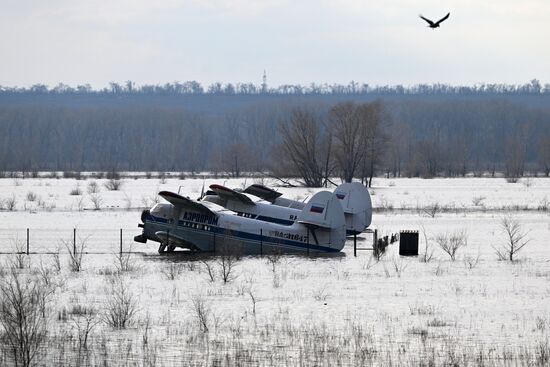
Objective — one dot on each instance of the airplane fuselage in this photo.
(229, 230)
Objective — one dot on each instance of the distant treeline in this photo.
(426, 131)
(534, 87)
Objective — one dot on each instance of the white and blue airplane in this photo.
(204, 226)
(262, 203)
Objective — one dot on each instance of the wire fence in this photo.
(49, 241)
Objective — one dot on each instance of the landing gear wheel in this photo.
(162, 248)
(171, 248)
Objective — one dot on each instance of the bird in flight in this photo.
(435, 24)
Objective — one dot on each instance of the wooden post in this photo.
(375, 248)
(121, 241)
(74, 241)
(355, 245)
(27, 241)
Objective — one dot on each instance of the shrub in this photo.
(121, 305)
(22, 316)
(124, 262)
(172, 271)
(31, 196)
(93, 187)
(10, 203)
(431, 210)
(76, 253)
(97, 200)
(113, 184)
(202, 311)
(450, 243)
(76, 191)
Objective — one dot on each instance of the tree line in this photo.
(533, 87)
(310, 138)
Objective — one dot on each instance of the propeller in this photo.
(202, 190)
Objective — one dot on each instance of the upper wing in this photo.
(444, 18)
(427, 20)
(262, 192)
(182, 202)
(231, 194)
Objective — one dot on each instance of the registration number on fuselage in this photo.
(288, 236)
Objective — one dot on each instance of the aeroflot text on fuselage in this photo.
(201, 218)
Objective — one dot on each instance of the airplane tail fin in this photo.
(322, 210)
(357, 205)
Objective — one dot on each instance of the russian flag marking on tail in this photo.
(317, 209)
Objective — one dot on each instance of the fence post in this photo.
(27, 241)
(307, 241)
(355, 245)
(121, 241)
(74, 241)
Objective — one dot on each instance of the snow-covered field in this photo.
(292, 310)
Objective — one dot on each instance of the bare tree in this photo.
(451, 243)
(209, 267)
(544, 154)
(349, 138)
(306, 147)
(516, 238)
(84, 324)
(236, 159)
(516, 149)
(229, 255)
(428, 251)
(373, 119)
(21, 317)
(19, 260)
(254, 300)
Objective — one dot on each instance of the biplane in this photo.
(207, 227)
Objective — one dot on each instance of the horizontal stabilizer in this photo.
(231, 194)
(262, 192)
(183, 202)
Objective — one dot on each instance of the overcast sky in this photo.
(295, 41)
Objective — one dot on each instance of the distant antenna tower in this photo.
(264, 83)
